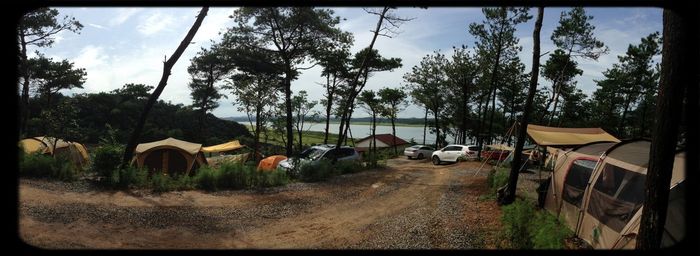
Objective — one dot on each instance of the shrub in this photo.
(498, 178)
(161, 182)
(348, 166)
(37, 165)
(322, 170)
(66, 172)
(184, 182)
(525, 227)
(106, 159)
(133, 176)
(235, 176)
(516, 218)
(548, 233)
(207, 178)
(271, 178)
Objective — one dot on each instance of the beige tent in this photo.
(606, 208)
(74, 151)
(562, 137)
(223, 147)
(170, 156)
(569, 180)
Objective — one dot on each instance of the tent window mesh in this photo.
(616, 196)
(576, 180)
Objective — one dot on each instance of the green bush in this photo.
(106, 159)
(184, 182)
(516, 220)
(45, 166)
(66, 171)
(498, 178)
(548, 233)
(319, 171)
(207, 178)
(161, 183)
(349, 166)
(528, 228)
(36, 165)
(271, 178)
(235, 176)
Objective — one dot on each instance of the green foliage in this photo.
(106, 159)
(345, 167)
(117, 109)
(548, 233)
(237, 176)
(319, 171)
(516, 222)
(44, 166)
(162, 183)
(207, 178)
(528, 228)
(498, 178)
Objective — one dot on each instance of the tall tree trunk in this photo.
(363, 68)
(256, 141)
(393, 132)
(465, 114)
(374, 139)
(329, 107)
(425, 123)
(675, 79)
(288, 106)
(167, 66)
(493, 110)
(494, 77)
(24, 101)
(436, 112)
(556, 102)
(624, 116)
(509, 194)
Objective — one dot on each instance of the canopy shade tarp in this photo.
(500, 147)
(189, 147)
(556, 136)
(228, 146)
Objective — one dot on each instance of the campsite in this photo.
(353, 128)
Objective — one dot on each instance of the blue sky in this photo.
(128, 45)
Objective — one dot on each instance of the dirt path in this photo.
(411, 204)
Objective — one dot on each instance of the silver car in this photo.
(452, 153)
(314, 154)
(418, 151)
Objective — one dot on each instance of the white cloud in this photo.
(156, 22)
(122, 15)
(217, 20)
(96, 26)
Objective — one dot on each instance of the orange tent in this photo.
(270, 163)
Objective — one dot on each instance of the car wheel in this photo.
(436, 160)
(420, 156)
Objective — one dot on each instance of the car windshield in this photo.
(316, 154)
(307, 153)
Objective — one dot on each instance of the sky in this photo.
(128, 45)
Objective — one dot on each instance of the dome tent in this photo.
(171, 156)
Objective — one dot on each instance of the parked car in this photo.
(451, 153)
(315, 154)
(418, 151)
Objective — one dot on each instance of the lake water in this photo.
(360, 131)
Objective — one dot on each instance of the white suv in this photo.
(451, 153)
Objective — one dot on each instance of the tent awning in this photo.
(500, 147)
(556, 136)
(189, 147)
(231, 145)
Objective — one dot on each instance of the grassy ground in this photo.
(308, 137)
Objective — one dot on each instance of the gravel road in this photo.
(410, 204)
